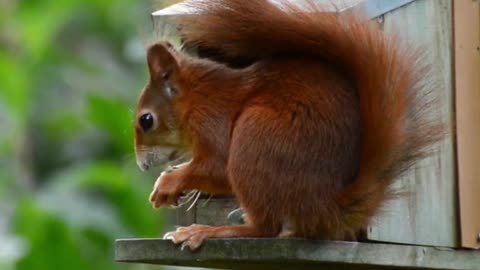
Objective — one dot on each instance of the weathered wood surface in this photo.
(295, 254)
(428, 216)
(215, 212)
(212, 211)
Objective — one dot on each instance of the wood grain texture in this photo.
(165, 29)
(184, 217)
(212, 211)
(467, 89)
(427, 216)
(294, 254)
(215, 211)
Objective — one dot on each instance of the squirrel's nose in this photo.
(143, 165)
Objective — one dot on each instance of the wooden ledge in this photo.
(294, 254)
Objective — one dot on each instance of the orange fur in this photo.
(310, 136)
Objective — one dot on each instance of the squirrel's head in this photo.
(156, 140)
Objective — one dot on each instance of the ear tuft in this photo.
(161, 63)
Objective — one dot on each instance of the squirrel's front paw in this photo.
(165, 191)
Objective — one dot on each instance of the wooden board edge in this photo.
(277, 254)
(466, 24)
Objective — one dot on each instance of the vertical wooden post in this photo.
(428, 216)
(467, 88)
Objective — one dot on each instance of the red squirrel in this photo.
(308, 138)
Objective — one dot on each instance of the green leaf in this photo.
(40, 21)
(52, 243)
(14, 86)
(125, 190)
(115, 118)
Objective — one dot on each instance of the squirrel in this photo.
(308, 137)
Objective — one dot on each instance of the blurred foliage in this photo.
(70, 74)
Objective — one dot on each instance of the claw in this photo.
(194, 244)
(184, 244)
(169, 236)
(152, 195)
(181, 228)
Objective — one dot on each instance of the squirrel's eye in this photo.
(146, 121)
(166, 75)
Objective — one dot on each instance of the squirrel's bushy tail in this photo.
(396, 119)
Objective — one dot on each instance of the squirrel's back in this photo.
(384, 81)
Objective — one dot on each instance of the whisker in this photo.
(205, 203)
(195, 201)
(190, 195)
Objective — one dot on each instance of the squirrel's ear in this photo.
(161, 63)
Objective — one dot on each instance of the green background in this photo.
(70, 74)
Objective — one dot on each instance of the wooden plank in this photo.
(467, 86)
(164, 19)
(428, 216)
(375, 8)
(214, 211)
(184, 217)
(164, 28)
(294, 254)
